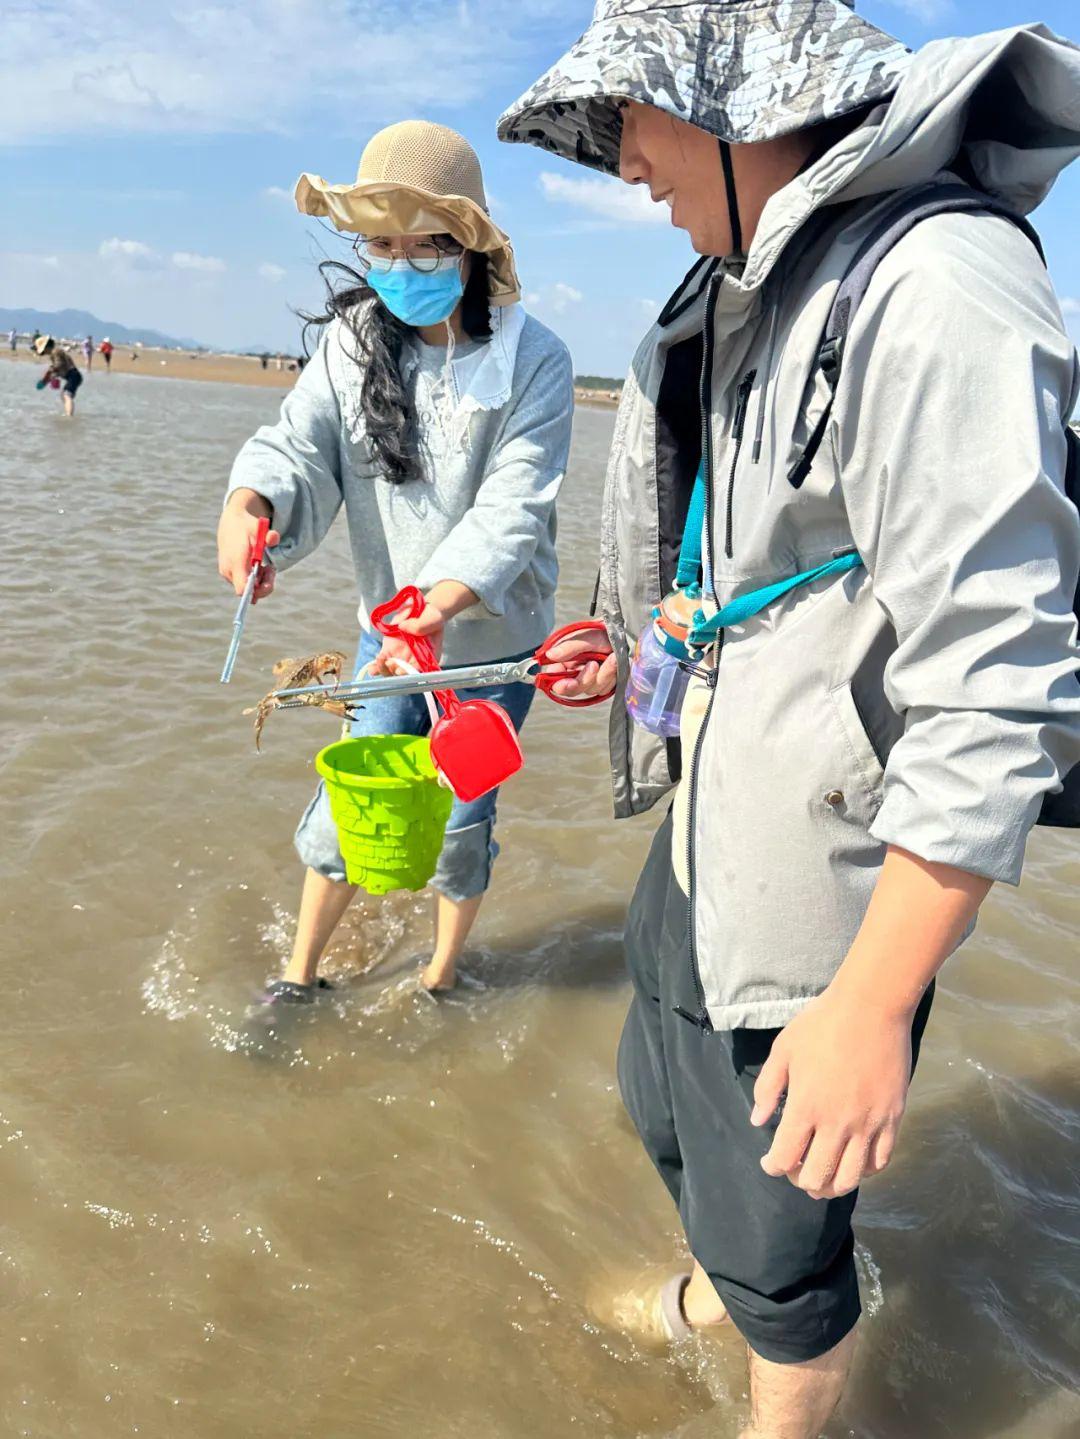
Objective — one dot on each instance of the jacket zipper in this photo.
(742, 404)
(705, 395)
(701, 1019)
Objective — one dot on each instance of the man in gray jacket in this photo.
(862, 759)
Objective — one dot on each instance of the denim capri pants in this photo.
(464, 868)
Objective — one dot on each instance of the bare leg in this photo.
(794, 1401)
(69, 405)
(702, 1306)
(322, 904)
(453, 921)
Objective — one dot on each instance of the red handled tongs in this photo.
(258, 554)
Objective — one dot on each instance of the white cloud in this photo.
(555, 299)
(125, 67)
(129, 254)
(203, 264)
(274, 273)
(1070, 305)
(22, 257)
(609, 199)
(275, 192)
(565, 295)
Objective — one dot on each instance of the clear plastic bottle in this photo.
(656, 688)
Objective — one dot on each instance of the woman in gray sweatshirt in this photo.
(438, 414)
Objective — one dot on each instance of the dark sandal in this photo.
(287, 991)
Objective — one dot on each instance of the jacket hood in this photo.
(1000, 109)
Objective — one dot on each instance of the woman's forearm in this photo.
(451, 598)
(251, 502)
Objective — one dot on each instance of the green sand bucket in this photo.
(389, 808)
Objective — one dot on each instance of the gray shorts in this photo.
(464, 868)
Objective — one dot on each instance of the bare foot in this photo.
(702, 1307)
(438, 976)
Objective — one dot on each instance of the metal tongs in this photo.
(538, 669)
(255, 561)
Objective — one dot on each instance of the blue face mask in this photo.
(419, 299)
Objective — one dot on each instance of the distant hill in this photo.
(71, 324)
(592, 382)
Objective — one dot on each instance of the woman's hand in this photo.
(594, 679)
(430, 623)
(237, 529)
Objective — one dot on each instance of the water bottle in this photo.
(659, 672)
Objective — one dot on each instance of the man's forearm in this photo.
(915, 919)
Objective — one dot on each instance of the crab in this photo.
(292, 674)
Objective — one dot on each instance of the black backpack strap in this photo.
(944, 197)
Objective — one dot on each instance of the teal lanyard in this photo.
(688, 575)
(744, 607)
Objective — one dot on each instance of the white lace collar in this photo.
(488, 382)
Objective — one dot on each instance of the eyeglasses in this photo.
(424, 256)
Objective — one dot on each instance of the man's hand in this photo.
(845, 1061)
(595, 679)
(845, 1068)
(237, 529)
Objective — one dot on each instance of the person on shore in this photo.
(88, 352)
(438, 413)
(13, 340)
(105, 350)
(264, 359)
(862, 758)
(61, 369)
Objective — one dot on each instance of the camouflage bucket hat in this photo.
(744, 70)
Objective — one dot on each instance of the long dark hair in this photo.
(377, 339)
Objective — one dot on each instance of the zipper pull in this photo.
(700, 1020)
(742, 404)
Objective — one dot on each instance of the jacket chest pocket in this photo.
(724, 469)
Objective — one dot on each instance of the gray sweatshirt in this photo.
(494, 436)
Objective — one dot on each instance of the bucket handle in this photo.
(410, 601)
(404, 667)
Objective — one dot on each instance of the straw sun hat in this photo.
(416, 178)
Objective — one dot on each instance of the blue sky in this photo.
(150, 150)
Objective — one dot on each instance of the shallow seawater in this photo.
(394, 1220)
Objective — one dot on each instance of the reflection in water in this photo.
(392, 1221)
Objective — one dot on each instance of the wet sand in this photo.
(173, 365)
(393, 1222)
(225, 369)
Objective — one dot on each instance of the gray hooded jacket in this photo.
(929, 700)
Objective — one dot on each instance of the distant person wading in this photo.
(438, 413)
(62, 373)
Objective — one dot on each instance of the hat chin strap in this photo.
(732, 198)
